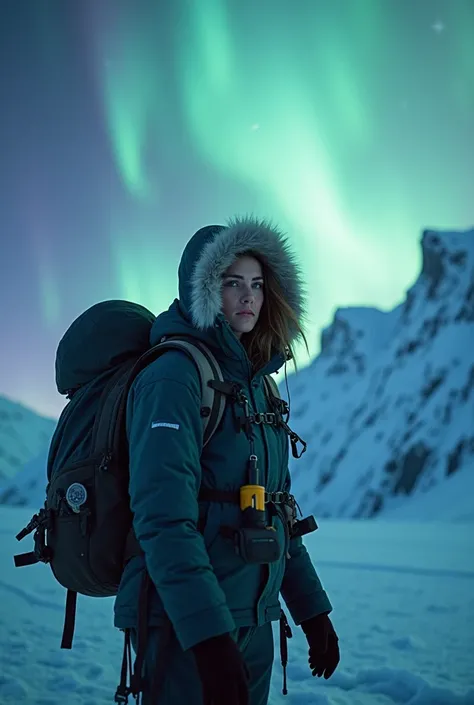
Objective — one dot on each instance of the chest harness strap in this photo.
(281, 503)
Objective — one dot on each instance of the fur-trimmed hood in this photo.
(211, 251)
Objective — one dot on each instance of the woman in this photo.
(210, 637)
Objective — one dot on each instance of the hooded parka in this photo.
(199, 582)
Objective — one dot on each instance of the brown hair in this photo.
(272, 332)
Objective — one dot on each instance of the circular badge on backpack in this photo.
(76, 496)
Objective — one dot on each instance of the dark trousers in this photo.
(179, 679)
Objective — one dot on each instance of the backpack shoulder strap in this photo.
(108, 432)
(213, 403)
(271, 387)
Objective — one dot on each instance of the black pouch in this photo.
(258, 545)
(255, 545)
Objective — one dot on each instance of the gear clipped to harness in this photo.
(256, 542)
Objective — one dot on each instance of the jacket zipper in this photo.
(104, 465)
(269, 569)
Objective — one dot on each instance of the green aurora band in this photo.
(288, 104)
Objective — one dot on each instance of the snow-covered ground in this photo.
(403, 594)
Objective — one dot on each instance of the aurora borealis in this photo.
(126, 126)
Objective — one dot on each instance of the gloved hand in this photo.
(223, 672)
(323, 645)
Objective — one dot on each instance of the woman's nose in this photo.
(247, 296)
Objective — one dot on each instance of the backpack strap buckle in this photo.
(264, 417)
(42, 552)
(121, 695)
(228, 388)
(35, 521)
(277, 497)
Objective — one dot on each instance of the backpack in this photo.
(84, 531)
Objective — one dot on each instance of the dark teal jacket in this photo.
(201, 584)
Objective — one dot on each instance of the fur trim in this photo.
(240, 235)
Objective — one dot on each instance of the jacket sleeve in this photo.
(301, 588)
(165, 441)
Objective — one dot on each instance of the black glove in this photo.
(223, 672)
(323, 645)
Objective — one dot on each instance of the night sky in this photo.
(126, 127)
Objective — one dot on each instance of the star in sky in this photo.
(438, 27)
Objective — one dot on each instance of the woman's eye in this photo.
(235, 281)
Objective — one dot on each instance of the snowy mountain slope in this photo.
(451, 500)
(28, 487)
(23, 435)
(387, 408)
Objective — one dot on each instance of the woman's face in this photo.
(242, 290)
